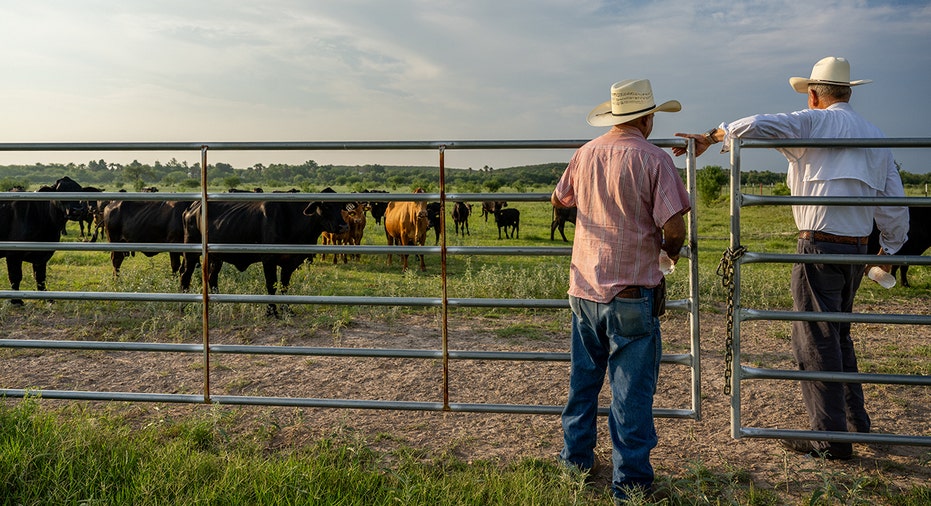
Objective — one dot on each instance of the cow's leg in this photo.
(466, 223)
(904, 269)
(516, 230)
(174, 259)
(285, 285)
(213, 276)
(14, 269)
(116, 258)
(270, 270)
(40, 271)
(187, 270)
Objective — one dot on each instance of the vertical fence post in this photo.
(205, 272)
(444, 285)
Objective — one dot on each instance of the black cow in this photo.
(489, 207)
(508, 218)
(561, 215)
(87, 214)
(377, 208)
(433, 218)
(461, 212)
(144, 222)
(35, 221)
(919, 238)
(259, 223)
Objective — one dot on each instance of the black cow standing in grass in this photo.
(561, 215)
(919, 239)
(508, 219)
(461, 212)
(377, 208)
(276, 222)
(433, 219)
(489, 208)
(35, 221)
(144, 222)
(85, 215)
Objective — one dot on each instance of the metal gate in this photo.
(738, 255)
(205, 299)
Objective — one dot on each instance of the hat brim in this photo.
(800, 84)
(601, 115)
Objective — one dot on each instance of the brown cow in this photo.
(406, 224)
(354, 216)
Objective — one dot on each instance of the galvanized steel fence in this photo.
(739, 255)
(206, 348)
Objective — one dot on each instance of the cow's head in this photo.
(73, 209)
(328, 214)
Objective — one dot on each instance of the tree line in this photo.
(311, 176)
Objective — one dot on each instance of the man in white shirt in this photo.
(849, 172)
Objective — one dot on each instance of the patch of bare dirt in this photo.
(683, 444)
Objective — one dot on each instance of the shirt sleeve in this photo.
(670, 195)
(892, 221)
(564, 191)
(794, 125)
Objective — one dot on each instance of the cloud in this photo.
(425, 70)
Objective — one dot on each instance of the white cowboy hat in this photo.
(630, 99)
(830, 70)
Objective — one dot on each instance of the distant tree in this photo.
(493, 185)
(709, 181)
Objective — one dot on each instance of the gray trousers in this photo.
(827, 346)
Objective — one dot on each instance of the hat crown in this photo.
(631, 96)
(831, 70)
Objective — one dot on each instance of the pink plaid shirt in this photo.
(625, 189)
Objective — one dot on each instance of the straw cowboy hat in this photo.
(630, 99)
(830, 70)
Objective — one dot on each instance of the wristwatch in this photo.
(709, 135)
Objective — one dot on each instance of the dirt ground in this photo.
(683, 444)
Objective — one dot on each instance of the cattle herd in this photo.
(230, 222)
(268, 222)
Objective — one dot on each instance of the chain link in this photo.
(726, 272)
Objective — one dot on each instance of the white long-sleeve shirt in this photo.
(834, 172)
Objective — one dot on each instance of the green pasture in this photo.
(764, 229)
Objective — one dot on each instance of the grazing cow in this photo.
(259, 223)
(489, 208)
(434, 210)
(406, 224)
(461, 212)
(561, 215)
(508, 218)
(35, 221)
(919, 239)
(144, 222)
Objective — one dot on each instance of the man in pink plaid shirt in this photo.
(630, 202)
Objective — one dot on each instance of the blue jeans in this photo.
(623, 339)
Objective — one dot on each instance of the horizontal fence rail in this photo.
(690, 304)
(742, 372)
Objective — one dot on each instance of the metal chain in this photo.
(726, 272)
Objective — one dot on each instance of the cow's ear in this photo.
(312, 209)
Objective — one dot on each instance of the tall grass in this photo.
(79, 457)
(83, 457)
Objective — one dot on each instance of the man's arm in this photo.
(555, 201)
(674, 236)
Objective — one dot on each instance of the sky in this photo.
(433, 70)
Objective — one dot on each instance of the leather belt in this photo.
(631, 292)
(814, 235)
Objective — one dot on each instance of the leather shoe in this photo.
(808, 448)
